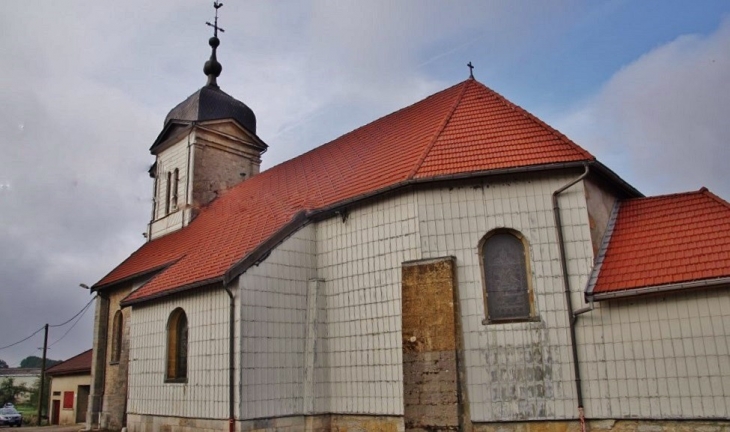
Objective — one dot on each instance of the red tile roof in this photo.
(665, 240)
(78, 364)
(467, 128)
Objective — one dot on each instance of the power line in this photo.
(21, 341)
(82, 313)
(56, 325)
(77, 314)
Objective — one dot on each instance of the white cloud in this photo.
(662, 121)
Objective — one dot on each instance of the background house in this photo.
(21, 376)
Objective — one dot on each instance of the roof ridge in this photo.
(705, 191)
(701, 191)
(339, 137)
(440, 130)
(561, 136)
(68, 360)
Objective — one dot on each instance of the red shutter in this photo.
(68, 399)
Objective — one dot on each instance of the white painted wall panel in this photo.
(359, 362)
(273, 328)
(205, 395)
(658, 357)
(175, 156)
(515, 371)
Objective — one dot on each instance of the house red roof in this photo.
(665, 240)
(467, 128)
(78, 364)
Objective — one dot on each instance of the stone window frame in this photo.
(532, 316)
(117, 330)
(176, 352)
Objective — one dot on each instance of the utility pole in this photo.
(43, 375)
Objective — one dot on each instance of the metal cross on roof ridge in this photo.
(217, 5)
(471, 70)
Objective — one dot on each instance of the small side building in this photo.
(21, 376)
(70, 386)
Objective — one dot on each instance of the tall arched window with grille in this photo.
(507, 287)
(117, 329)
(177, 347)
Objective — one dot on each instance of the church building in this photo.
(455, 265)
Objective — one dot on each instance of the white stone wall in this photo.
(515, 371)
(321, 331)
(657, 357)
(321, 322)
(175, 156)
(205, 395)
(360, 261)
(273, 309)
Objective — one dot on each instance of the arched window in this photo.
(507, 286)
(117, 329)
(177, 346)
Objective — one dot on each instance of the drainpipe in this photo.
(231, 360)
(566, 284)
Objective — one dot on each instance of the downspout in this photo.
(566, 284)
(231, 360)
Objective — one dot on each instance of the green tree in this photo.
(3, 364)
(37, 362)
(35, 390)
(9, 392)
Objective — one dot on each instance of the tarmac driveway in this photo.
(73, 428)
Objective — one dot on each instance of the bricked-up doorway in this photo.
(431, 340)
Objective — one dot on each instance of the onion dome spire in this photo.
(212, 67)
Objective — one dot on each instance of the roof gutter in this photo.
(302, 218)
(262, 251)
(705, 283)
(188, 287)
(324, 211)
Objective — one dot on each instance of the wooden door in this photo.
(55, 410)
(82, 403)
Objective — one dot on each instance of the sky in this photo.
(85, 87)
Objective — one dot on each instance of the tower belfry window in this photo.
(175, 182)
(169, 189)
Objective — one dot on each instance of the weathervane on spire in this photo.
(217, 5)
(212, 68)
(471, 70)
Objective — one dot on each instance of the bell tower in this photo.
(208, 144)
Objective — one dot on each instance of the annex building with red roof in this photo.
(455, 265)
(70, 386)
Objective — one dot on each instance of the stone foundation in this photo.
(316, 423)
(608, 426)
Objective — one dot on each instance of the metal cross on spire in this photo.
(217, 5)
(212, 67)
(471, 70)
